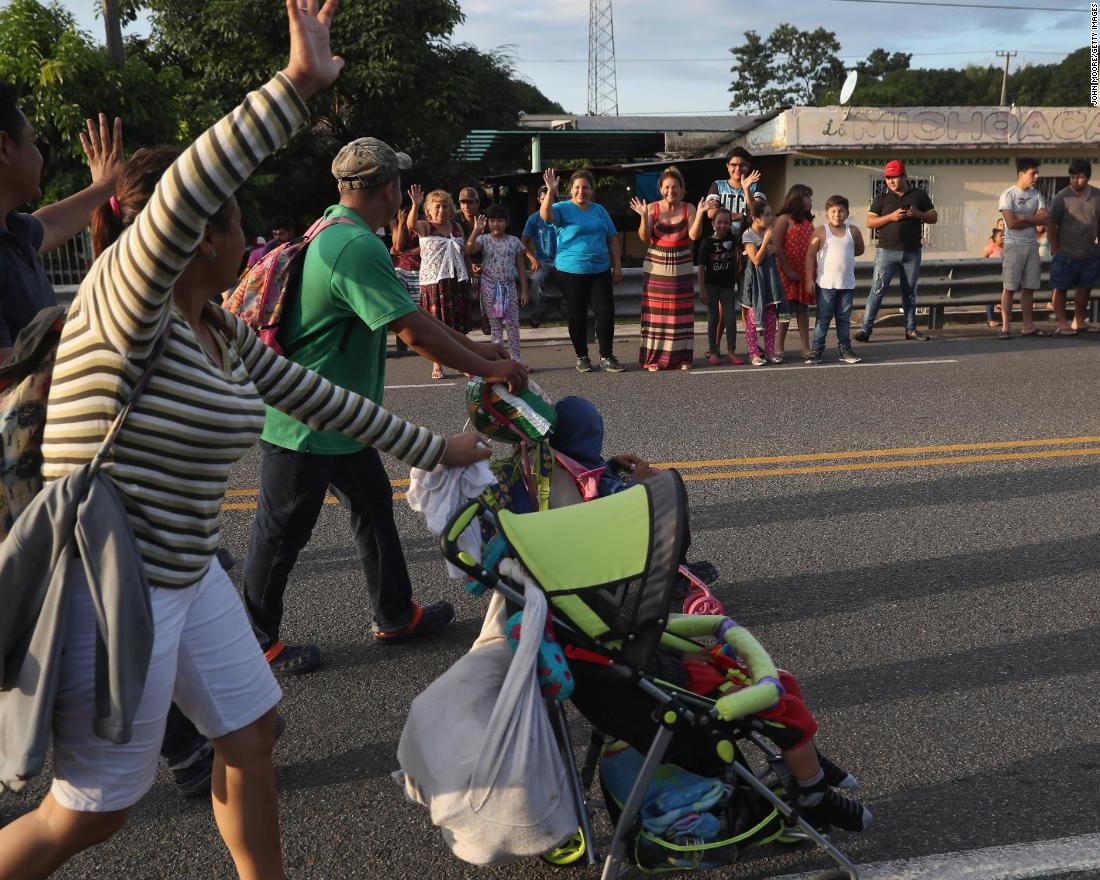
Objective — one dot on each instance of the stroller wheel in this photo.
(704, 605)
(569, 853)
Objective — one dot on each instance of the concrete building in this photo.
(964, 156)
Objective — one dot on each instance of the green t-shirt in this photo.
(348, 286)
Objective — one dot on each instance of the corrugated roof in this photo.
(724, 122)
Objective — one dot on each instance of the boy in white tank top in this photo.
(831, 263)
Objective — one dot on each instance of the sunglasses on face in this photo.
(737, 165)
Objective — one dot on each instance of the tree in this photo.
(752, 75)
(880, 62)
(1065, 84)
(66, 77)
(404, 82)
(792, 67)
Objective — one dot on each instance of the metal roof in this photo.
(544, 121)
(483, 144)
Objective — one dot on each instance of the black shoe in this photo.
(834, 810)
(862, 335)
(426, 621)
(584, 365)
(835, 776)
(534, 322)
(816, 357)
(227, 559)
(704, 570)
(192, 775)
(849, 356)
(916, 336)
(294, 660)
(611, 365)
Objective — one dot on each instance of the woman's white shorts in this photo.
(205, 658)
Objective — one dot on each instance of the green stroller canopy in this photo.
(581, 554)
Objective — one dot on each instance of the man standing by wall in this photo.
(337, 326)
(897, 214)
(1024, 211)
(1075, 257)
(541, 240)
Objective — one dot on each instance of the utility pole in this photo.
(603, 88)
(1007, 56)
(112, 18)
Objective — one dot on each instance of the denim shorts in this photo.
(1067, 273)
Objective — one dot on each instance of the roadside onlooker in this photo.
(1024, 210)
(762, 296)
(503, 275)
(587, 265)
(994, 250)
(736, 193)
(444, 267)
(541, 241)
(24, 287)
(897, 214)
(831, 263)
(794, 227)
(469, 209)
(405, 253)
(668, 228)
(719, 265)
(1075, 264)
(336, 325)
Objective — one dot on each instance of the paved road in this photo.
(939, 604)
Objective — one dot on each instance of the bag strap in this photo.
(142, 383)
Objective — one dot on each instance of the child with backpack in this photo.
(502, 270)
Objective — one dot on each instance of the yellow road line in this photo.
(876, 453)
(886, 465)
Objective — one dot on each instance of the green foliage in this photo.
(1065, 84)
(793, 67)
(66, 77)
(880, 62)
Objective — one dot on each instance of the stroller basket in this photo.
(607, 569)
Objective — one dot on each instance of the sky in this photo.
(674, 57)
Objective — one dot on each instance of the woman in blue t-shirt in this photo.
(587, 264)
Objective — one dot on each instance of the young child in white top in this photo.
(831, 269)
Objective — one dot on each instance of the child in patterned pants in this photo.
(503, 270)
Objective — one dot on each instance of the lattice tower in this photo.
(603, 88)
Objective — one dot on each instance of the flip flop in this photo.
(1065, 334)
(1035, 334)
(1004, 334)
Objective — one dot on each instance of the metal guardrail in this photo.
(943, 284)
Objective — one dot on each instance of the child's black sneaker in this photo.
(705, 571)
(584, 365)
(816, 356)
(835, 776)
(861, 335)
(836, 811)
(192, 774)
(849, 356)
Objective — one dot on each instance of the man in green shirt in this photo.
(350, 296)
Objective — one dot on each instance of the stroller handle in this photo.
(449, 540)
(765, 690)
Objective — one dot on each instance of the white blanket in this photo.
(439, 493)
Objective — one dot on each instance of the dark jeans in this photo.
(292, 489)
(580, 291)
(726, 297)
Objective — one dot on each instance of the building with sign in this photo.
(963, 156)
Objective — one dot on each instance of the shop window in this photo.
(878, 186)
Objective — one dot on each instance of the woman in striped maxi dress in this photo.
(169, 466)
(668, 279)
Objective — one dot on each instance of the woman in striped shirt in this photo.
(176, 246)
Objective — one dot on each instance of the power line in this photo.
(1018, 8)
(727, 59)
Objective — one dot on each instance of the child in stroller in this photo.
(654, 681)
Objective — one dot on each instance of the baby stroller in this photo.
(541, 477)
(609, 598)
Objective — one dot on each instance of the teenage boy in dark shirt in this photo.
(718, 285)
(897, 214)
(24, 288)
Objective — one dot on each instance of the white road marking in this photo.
(1017, 861)
(775, 368)
(436, 384)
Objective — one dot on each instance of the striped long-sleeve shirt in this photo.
(196, 418)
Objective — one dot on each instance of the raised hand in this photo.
(749, 180)
(416, 193)
(480, 222)
(551, 179)
(103, 147)
(704, 203)
(312, 66)
(639, 206)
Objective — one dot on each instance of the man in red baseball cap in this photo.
(897, 215)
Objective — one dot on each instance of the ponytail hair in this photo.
(133, 189)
